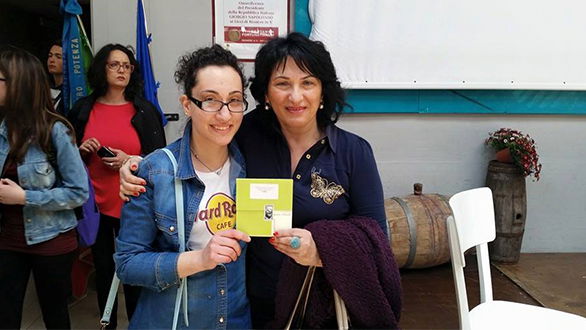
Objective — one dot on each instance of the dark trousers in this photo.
(262, 312)
(52, 275)
(103, 252)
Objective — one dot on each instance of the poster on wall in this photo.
(243, 26)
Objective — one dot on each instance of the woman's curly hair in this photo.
(190, 64)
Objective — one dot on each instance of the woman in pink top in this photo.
(114, 118)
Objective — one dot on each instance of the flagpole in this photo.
(146, 27)
(146, 32)
(83, 31)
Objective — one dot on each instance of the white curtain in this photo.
(497, 44)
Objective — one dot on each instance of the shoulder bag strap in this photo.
(105, 320)
(181, 298)
(303, 295)
(341, 312)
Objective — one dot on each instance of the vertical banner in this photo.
(243, 26)
(76, 53)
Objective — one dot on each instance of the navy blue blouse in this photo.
(337, 177)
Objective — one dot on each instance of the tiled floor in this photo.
(429, 298)
(84, 312)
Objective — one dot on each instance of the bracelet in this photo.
(127, 159)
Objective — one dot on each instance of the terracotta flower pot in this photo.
(504, 156)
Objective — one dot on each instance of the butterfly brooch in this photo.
(321, 188)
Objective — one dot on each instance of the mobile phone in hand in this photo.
(105, 152)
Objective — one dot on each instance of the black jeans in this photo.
(103, 254)
(52, 275)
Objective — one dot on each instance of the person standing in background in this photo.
(43, 180)
(117, 117)
(55, 68)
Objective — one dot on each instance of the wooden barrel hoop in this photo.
(412, 231)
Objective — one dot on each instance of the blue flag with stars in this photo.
(143, 57)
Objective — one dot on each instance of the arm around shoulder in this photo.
(138, 259)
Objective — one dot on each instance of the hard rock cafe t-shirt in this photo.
(217, 209)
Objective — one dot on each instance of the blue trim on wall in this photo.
(454, 101)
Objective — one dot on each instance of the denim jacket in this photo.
(51, 194)
(147, 249)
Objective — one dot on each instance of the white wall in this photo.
(444, 152)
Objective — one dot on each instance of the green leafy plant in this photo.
(522, 149)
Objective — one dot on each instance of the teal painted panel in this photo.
(302, 21)
(516, 101)
(382, 101)
(453, 101)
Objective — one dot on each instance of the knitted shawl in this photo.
(358, 263)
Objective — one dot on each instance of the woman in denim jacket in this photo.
(208, 165)
(43, 180)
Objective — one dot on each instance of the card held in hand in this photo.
(264, 206)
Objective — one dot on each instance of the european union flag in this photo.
(143, 57)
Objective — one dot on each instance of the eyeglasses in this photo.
(235, 106)
(115, 66)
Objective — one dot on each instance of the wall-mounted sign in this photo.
(243, 26)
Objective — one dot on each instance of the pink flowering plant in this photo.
(521, 147)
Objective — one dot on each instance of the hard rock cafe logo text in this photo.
(219, 213)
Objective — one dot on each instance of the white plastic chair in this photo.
(473, 225)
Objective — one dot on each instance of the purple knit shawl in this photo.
(357, 262)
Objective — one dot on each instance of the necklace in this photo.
(218, 172)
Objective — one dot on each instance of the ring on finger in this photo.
(295, 242)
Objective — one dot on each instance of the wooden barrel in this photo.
(417, 228)
(509, 195)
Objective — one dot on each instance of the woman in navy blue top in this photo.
(292, 134)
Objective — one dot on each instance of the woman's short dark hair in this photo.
(190, 64)
(97, 72)
(55, 42)
(311, 57)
